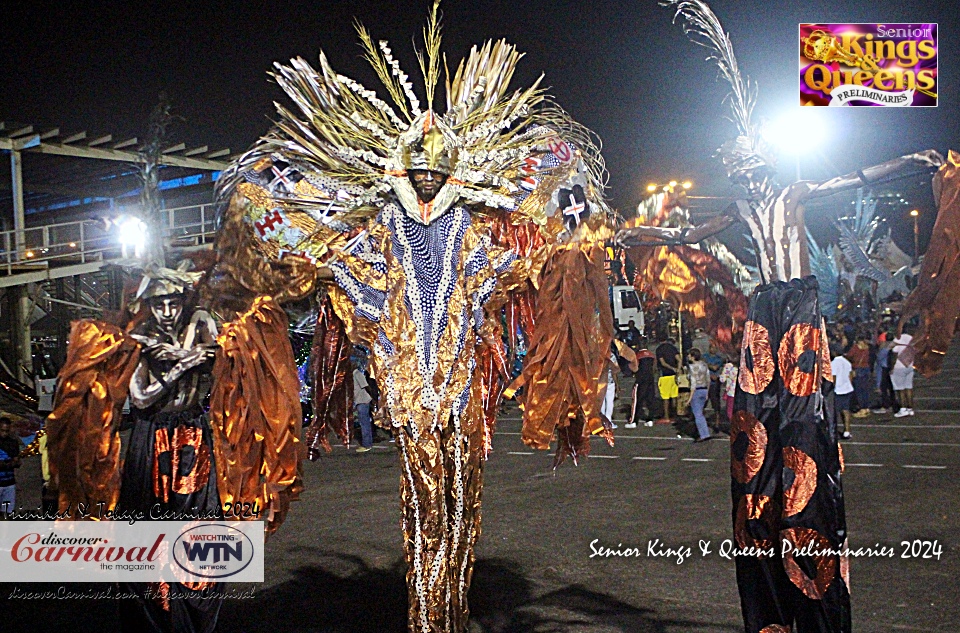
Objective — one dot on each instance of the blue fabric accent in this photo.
(428, 244)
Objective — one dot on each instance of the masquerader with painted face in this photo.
(169, 465)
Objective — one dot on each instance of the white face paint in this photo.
(167, 310)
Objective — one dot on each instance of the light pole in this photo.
(915, 214)
(796, 132)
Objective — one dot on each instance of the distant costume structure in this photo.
(786, 462)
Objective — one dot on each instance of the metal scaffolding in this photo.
(59, 246)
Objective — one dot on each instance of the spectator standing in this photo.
(631, 336)
(10, 448)
(843, 394)
(49, 496)
(699, 387)
(644, 388)
(728, 380)
(884, 364)
(902, 373)
(859, 357)
(610, 396)
(361, 404)
(668, 362)
(714, 362)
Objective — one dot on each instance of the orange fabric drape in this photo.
(255, 413)
(565, 372)
(83, 430)
(937, 296)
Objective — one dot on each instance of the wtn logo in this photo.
(221, 551)
(212, 550)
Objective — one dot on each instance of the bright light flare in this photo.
(687, 184)
(132, 234)
(651, 188)
(914, 213)
(797, 132)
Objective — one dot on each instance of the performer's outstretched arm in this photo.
(659, 236)
(920, 161)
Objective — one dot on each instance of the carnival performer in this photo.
(169, 466)
(785, 457)
(390, 206)
(180, 459)
(169, 462)
(783, 426)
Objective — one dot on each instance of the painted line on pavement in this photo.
(704, 459)
(897, 443)
(624, 437)
(907, 426)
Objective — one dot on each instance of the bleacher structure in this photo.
(59, 244)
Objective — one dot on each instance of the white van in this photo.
(626, 308)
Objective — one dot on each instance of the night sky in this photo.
(620, 67)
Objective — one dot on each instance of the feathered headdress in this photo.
(352, 148)
(749, 151)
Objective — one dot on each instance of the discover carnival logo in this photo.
(868, 64)
(213, 551)
(147, 551)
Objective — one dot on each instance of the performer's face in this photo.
(167, 310)
(5, 428)
(427, 183)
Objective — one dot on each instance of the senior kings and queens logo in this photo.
(868, 64)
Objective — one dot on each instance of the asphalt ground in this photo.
(336, 565)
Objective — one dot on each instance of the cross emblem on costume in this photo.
(281, 176)
(575, 211)
(270, 223)
(561, 150)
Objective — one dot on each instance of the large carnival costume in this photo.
(169, 465)
(785, 457)
(415, 226)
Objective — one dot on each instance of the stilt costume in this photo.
(785, 459)
(409, 219)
